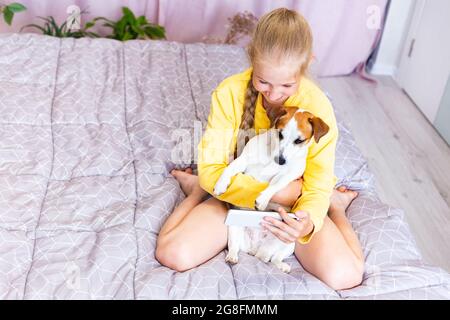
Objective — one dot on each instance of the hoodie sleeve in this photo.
(319, 179)
(217, 147)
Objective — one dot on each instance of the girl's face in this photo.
(276, 83)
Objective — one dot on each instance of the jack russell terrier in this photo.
(277, 156)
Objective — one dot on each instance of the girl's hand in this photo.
(290, 194)
(289, 230)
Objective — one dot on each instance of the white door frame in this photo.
(423, 77)
(415, 22)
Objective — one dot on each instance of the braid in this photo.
(246, 129)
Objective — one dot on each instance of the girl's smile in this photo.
(275, 83)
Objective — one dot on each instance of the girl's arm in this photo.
(319, 179)
(215, 148)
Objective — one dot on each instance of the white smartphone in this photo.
(251, 218)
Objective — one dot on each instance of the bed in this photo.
(89, 130)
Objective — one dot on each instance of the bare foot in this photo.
(188, 182)
(341, 199)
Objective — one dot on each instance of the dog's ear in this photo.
(320, 128)
(274, 114)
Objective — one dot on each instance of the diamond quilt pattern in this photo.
(88, 132)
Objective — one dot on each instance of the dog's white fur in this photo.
(258, 160)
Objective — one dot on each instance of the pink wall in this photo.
(341, 33)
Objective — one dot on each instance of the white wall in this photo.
(393, 40)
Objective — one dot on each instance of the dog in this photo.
(277, 156)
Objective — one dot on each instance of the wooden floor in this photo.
(410, 160)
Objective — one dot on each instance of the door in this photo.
(425, 61)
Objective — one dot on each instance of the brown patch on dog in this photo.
(320, 128)
(283, 120)
(310, 125)
(274, 114)
(303, 124)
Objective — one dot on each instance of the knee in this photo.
(174, 256)
(344, 276)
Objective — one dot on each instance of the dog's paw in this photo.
(263, 255)
(231, 258)
(284, 267)
(262, 202)
(263, 199)
(221, 186)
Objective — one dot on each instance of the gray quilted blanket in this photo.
(89, 130)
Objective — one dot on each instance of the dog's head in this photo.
(296, 128)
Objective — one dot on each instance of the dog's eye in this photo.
(298, 141)
(280, 135)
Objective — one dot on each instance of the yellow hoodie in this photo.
(216, 148)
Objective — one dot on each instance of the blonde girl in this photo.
(325, 243)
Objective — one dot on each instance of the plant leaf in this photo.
(8, 15)
(155, 32)
(136, 29)
(33, 25)
(48, 30)
(109, 25)
(46, 19)
(55, 27)
(142, 20)
(128, 14)
(92, 34)
(88, 25)
(127, 36)
(63, 27)
(102, 18)
(16, 7)
(120, 27)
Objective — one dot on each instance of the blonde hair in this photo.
(280, 36)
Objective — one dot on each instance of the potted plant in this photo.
(126, 28)
(129, 27)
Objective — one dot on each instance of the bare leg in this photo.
(340, 200)
(194, 196)
(334, 254)
(195, 232)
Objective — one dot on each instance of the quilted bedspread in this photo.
(89, 130)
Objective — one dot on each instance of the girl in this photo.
(326, 246)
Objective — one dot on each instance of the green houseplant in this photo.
(51, 28)
(129, 27)
(9, 10)
(126, 28)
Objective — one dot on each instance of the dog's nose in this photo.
(280, 160)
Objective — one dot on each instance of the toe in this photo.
(342, 188)
(180, 173)
(353, 193)
(174, 172)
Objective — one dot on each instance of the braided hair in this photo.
(246, 128)
(282, 34)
